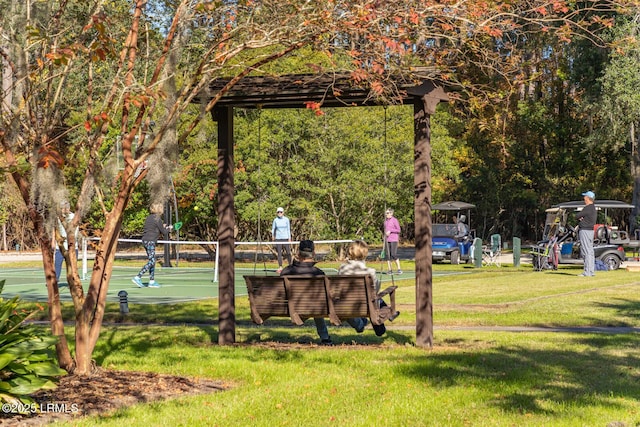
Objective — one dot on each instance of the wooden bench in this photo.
(301, 297)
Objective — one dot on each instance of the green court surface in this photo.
(177, 284)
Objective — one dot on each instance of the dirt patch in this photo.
(106, 391)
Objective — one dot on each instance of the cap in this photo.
(463, 218)
(280, 209)
(589, 194)
(306, 246)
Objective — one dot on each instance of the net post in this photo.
(84, 258)
(215, 266)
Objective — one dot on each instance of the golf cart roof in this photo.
(452, 206)
(601, 204)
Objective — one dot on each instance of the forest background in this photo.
(512, 150)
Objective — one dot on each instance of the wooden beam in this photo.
(331, 90)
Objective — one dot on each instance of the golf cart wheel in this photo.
(455, 257)
(611, 261)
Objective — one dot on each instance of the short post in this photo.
(477, 252)
(516, 251)
(84, 258)
(124, 302)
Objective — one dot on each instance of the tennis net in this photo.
(196, 257)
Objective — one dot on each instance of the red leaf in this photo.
(414, 18)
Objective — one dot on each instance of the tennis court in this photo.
(178, 284)
(193, 278)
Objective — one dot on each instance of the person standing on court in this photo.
(153, 227)
(586, 221)
(281, 232)
(65, 216)
(304, 265)
(391, 239)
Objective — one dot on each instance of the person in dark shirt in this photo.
(153, 227)
(586, 221)
(304, 265)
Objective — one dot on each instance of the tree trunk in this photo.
(55, 311)
(89, 317)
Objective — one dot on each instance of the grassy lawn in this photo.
(470, 377)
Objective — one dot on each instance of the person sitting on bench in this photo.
(304, 265)
(355, 265)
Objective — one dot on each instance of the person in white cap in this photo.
(586, 221)
(281, 232)
(462, 229)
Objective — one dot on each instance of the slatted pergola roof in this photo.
(293, 91)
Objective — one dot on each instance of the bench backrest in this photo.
(352, 295)
(302, 297)
(267, 295)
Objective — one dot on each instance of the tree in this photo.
(86, 83)
(615, 111)
(122, 93)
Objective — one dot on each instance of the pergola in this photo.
(295, 91)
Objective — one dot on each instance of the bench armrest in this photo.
(387, 311)
(388, 291)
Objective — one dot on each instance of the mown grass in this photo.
(469, 377)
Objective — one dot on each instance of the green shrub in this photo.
(27, 357)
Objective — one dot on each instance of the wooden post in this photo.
(226, 222)
(422, 210)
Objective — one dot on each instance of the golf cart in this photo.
(446, 241)
(560, 243)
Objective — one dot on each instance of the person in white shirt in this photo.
(463, 230)
(65, 216)
(281, 232)
(356, 265)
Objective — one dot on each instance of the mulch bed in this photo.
(106, 391)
